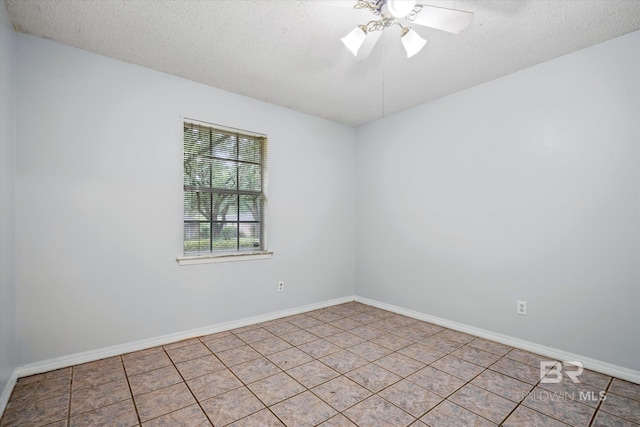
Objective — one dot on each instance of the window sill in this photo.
(210, 259)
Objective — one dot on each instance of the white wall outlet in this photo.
(280, 286)
(521, 308)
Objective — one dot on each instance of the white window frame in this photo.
(215, 256)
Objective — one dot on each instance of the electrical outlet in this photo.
(521, 308)
(280, 286)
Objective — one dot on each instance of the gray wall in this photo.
(525, 187)
(99, 212)
(8, 346)
(522, 188)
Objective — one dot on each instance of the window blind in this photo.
(224, 189)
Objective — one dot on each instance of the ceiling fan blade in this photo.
(450, 20)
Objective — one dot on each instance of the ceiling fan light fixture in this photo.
(354, 40)
(412, 42)
(400, 8)
(361, 40)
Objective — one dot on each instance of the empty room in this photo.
(326, 213)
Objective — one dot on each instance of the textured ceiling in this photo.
(289, 52)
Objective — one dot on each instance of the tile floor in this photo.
(347, 365)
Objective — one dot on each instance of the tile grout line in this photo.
(403, 378)
(450, 353)
(69, 416)
(133, 400)
(289, 375)
(187, 385)
(70, 396)
(595, 414)
(458, 389)
(343, 374)
(251, 391)
(529, 393)
(377, 393)
(433, 367)
(469, 382)
(313, 359)
(267, 407)
(445, 354)
(161, 388)
(518, 404)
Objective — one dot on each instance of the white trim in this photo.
(90, 356)
(209, 259)
(554, 353)
(8, 389)
(223, 128)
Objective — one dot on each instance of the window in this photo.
(224, 190)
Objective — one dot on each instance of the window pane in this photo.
(225, 174)
(197, 206)
(196, 237)
(250, 208)
(224, 145)
(249, 149)
(225, 236)
(249, 236)
(196, 140)
(250, 177)
(224, 207)
(197, 171)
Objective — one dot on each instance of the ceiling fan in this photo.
(361, 40)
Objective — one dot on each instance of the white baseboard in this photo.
(553, 353)
(90, 356)
(8, 389)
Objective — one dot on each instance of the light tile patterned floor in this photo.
(347, 365)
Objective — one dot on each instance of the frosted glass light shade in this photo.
(400, 8)
(412, 43)
(353, 41)
(360, 42)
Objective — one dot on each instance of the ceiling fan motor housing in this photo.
(398, 8)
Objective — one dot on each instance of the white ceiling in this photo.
(289, 52)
